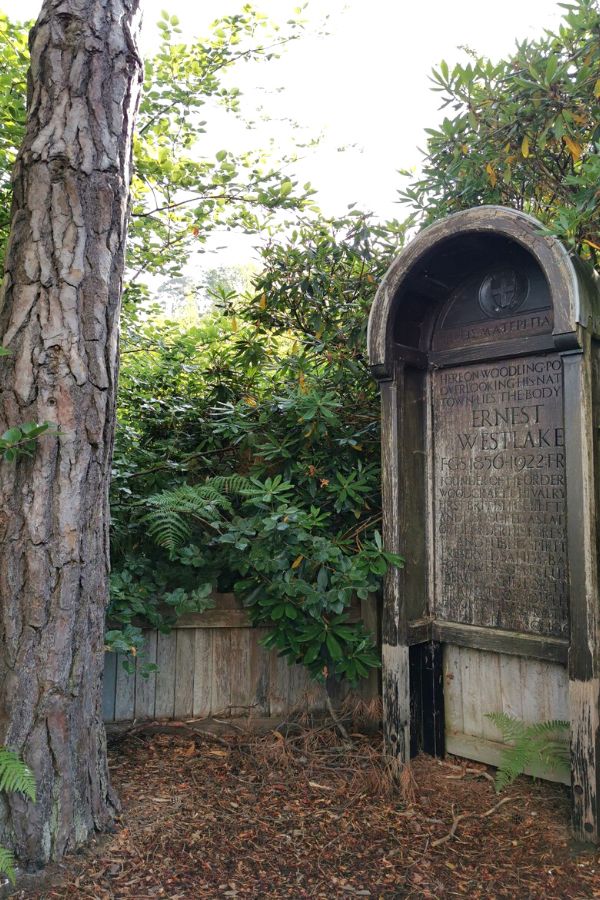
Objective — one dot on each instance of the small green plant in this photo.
(542, 742)
(15, 778)
(21, 440)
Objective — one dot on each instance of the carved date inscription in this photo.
(500, 495)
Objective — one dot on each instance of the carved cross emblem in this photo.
(502, 291)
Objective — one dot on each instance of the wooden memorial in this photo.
(484, 336)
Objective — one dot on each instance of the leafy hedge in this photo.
(247, 454)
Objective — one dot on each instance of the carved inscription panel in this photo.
(500, 495)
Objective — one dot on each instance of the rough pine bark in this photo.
(59, 311)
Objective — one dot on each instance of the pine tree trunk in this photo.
(59, 311)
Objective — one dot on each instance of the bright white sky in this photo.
(364, 86)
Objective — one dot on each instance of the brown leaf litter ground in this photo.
(301, 815)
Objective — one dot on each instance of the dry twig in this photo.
(458, 819)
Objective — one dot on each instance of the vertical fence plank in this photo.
(557, 692)
(109, 686)
(241, 688)
(145, 688)
(166, 649)
(453, 703)
(533, 677)
(368, 688)
(471, 691)
(279, 676)
(221, 680)
(125, 692)
(298, 687)
(510, 685)
(259, 672)
(317, 694)
(203, 671)
(184, 673)
(491, 693)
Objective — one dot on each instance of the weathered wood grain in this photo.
(369, 687)
(453, 702)
(184, 673)
(582, 423)
(491, 692)
(490, 752)
(396, 701)
(166, 650)
(403, 497)
(511, 686)
(499, 641)
(299, 686)
(279, 684)
(259, 673)
(125, 692)
(214, 671)
(526, 689)
(479, 682)
(473, 707)
(556, 692)
(242, 689)
(215, 618)
(145, 687)
(222, 673)
(203, 671)
(500, 350)
(533, 676)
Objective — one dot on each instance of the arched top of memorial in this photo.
(481, 278)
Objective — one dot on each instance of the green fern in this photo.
(171, 511)
(231, 484)
(7, 865)
(540, 742)
(167, 526)
(15, 778)
(169, 517)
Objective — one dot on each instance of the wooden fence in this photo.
(477, 682)
(212, 664)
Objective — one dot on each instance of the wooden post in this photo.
(394, 649)
(404, 527)
(581, 426)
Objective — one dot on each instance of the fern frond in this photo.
(15, 775)
(546, 728)
(513, 762)
(556, 755)
(230, 484)
(510, 728)
(538, 741)
(168, 528)
(190, 498)
(168, 518)
(7, 864)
